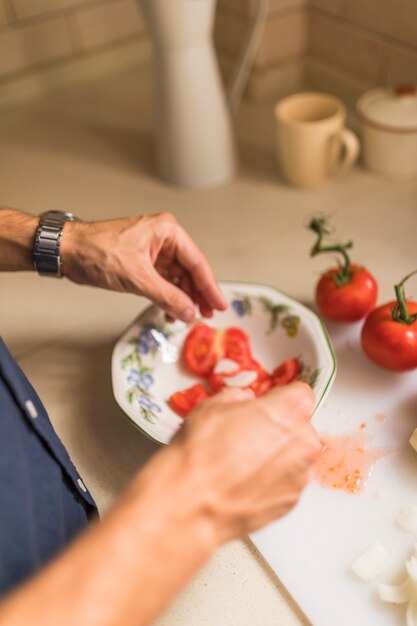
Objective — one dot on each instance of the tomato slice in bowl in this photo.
(259, 386)
(203, 347)
(183, 402)
(262, 384)
(237, 346)
(286, 372)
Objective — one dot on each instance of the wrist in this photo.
(178, 499)
(74, 250)
(17, 236)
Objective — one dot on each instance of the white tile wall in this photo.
(35, 44)
(109, 22)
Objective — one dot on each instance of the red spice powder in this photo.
(345, 463)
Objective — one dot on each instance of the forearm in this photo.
(126, 569)
(17, 235)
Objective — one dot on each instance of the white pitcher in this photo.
(195, 144)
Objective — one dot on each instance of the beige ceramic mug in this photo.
(312, 142)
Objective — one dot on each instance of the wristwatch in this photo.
(46, 254)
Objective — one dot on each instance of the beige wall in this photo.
(38, 32)
(278, 67)
(367, 42)
(374, 41)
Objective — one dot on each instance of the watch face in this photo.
(70, 217)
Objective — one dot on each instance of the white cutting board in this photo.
(311, 549)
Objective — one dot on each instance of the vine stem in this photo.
(318, 225)
(400, 312)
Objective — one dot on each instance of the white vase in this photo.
(195, 144)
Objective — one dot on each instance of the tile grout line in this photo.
(67, 59)
(74, 32)
(22, 22)
(10, 10)
(364, 30)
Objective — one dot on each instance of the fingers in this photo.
(234, 394)
(194, 261)
(172, 299)
(295, 400)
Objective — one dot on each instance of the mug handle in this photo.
(347, 151)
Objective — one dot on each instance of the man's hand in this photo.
(251, 458)
(150, 256)
(237, 464)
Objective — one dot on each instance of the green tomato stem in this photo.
(400, 312)
(319, 226)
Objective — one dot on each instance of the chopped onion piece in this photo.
(396, 594)
(371, 563)
(407, 592)
(243, 379)
(407, 519)
(413, 440)
(226, 366)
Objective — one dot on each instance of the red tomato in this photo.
(349, 302)
(182, 402)
(286, 372)
(389, 343)
(260, 386)
(202, 349)
(237, 346)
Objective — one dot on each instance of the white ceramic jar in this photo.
(389, 131)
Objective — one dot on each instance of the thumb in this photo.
(170, 298)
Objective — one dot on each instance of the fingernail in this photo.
(223, 297)
(188, 315)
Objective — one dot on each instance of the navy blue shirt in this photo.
(44, 503)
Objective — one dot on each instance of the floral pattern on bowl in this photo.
(147, 368)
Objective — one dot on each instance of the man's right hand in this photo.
(237, 464)
(250, 458)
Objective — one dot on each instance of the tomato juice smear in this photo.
(345, 463)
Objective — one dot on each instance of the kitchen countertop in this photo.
(90, 151)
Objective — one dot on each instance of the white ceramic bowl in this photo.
(146, 360)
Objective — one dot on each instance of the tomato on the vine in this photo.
(389, 335)
(350, 301)
(346, 293)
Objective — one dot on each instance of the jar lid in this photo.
(394, 109)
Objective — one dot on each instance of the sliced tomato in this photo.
(286, 372)
(261, 385)
(203, 347)
(182, 402)
(237, 346)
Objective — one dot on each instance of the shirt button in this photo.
(81, 485)
(31, 409)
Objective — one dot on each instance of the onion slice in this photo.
(373, 562)
(226, 366)
(404, 593)
(396, 594)
(243, 379)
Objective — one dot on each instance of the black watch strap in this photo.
(46, 255)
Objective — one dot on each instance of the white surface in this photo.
(314, 546)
